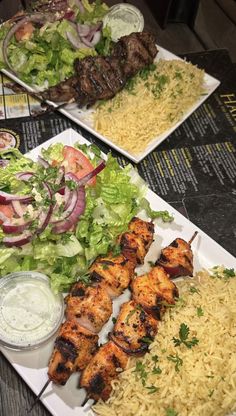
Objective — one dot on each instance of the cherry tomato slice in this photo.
(75, 161)
(7, 210)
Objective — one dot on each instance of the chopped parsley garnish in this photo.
(193, 289)
(171, 412)
(114, 320)
(183, 337)
(223, 273)
(132, 312)
(141, 372)
(147, 340)
(156, 369)
(152, 389)
(177, 360)
(199, 312)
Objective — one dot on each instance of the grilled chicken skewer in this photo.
(89, 307)
(153, 291)
(177, 258)
(135, 328)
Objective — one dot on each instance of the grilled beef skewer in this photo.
(101, 77)
(177, 258)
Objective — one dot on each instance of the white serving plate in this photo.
(83, 117)
(32, 365)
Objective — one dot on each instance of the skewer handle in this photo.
(39, 395)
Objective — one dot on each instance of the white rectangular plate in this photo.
(82, 117)
(32, 365)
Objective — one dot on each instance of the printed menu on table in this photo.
(194, 169)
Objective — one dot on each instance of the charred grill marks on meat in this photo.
(100, 77)
(87, 309)
(177, 258)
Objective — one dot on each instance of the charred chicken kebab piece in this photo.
(88, 307)
(177, 258)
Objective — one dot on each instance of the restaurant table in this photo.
(194, 170)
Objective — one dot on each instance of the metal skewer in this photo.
(192, 238)
(39, 395)
(44, 103)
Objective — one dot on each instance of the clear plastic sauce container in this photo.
(123, 19)
(30, 313)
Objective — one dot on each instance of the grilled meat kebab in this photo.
(102, 77)
(102, 369)
(153, 290)
(74, 348)
(89, 307)
(135, 328)
(177, 258)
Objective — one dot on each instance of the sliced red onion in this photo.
(96, 38)
(18, 208)
(10, 228)
(83, 181)
(43, 162)
(69, 15)
(24, 176)
(83, 30)
(71, 203)
(18, 240)
(74, 40)
(61, 174)
(45, 215)
(67, 197)
(5, 198)
(72, 219)
(3, 163)
(80, 6)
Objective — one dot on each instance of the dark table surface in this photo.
(211, 204)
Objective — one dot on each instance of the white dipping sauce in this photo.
(30, 312)
(123, 19)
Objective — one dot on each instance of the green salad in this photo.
(38, 231)
(45, 56)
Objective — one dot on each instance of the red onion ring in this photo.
(43, 162)
(10, 228)
(24, 176)
(44, 216)
(85, 179)
(80, 6)
(72, 219)
(71, 206)
(6, 198)
(74, 40)
(18, 208)
(18, 240)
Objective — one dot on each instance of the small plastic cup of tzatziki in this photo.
(30, 312)
(123, 19)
